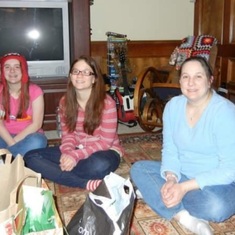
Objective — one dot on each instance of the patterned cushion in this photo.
(192, 46)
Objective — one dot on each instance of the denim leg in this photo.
(212, 203)
(147, 178)
(30, 142)
(46, 162)
(3, 144)
(98, 165)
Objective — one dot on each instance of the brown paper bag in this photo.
(12, 176)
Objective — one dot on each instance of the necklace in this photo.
(194, 112)
(81, 145)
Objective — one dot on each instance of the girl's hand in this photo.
(66, 163)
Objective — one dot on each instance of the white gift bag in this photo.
(107, 210)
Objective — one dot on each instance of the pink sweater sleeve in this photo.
(105, 136)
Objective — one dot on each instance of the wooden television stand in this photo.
(54, 89)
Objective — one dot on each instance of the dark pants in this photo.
(47, 162)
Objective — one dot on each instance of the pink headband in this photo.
(23, 63)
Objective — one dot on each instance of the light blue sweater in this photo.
(205, 152)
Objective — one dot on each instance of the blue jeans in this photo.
(30, 142)
(212, 203)
(47, 162)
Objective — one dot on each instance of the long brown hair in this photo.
(95, 103)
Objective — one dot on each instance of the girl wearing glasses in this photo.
(90, 146)
(21, 107)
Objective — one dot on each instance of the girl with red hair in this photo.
(21, 107)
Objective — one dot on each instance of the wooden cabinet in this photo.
(53, 90)
(217, 18)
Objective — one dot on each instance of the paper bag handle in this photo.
(4, 151)
(8, 155)
(16, 190)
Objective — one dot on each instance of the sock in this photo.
(195, 225)
(92, 184)
(138, 194)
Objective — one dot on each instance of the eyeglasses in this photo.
(82, 72)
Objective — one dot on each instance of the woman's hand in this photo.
(172, 193)
(66, 163)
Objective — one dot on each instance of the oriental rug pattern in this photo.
(145, 221)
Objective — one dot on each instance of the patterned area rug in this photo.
(145, 221)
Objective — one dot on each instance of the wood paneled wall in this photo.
(141, 54)
(217, 18)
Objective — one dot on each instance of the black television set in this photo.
(39, 30)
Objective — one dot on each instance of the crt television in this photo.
(39, 30)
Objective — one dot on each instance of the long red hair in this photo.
(24, 93)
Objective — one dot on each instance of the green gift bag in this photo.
(40, 213)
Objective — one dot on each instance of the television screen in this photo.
(33, 32)
(40, 33)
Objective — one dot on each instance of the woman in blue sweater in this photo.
(194, 182)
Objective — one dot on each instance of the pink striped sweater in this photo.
(80, 145)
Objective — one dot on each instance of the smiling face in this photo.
(194, 81)
(82, 76)
(12, 71)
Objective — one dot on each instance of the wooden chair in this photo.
(155, 86)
